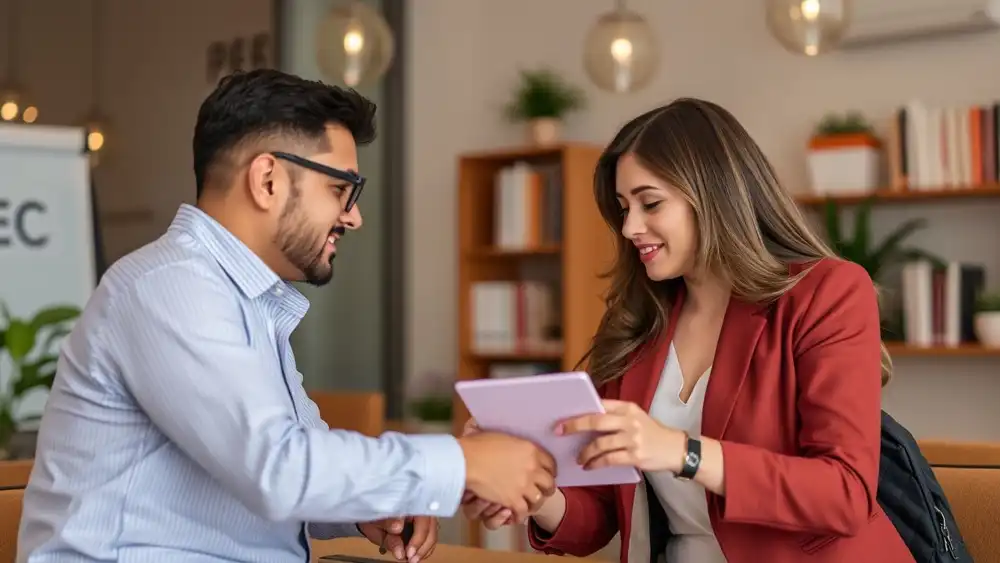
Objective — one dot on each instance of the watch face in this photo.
(691, 459)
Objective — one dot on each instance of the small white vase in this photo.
(987, 325)
(544, 131)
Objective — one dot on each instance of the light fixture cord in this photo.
(13, 12)
(95, 49)
(620, 6)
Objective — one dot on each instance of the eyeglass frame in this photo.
(357, 181)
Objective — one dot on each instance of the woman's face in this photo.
(657, 220)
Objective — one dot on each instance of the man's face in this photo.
(313, 219)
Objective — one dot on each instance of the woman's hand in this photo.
(631, 437)
(493, 515)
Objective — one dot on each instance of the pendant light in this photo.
(809, 27)
(354, 44)
(15, 103)
(621, 53)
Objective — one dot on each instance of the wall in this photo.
(463, 59)
(153, 80)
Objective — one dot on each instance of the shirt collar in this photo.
(250, 274)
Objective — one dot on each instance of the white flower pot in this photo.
(848, 164)
(544, 131)
(987, 325)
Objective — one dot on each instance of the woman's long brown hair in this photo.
(749, 228)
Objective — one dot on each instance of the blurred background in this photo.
(481, 246)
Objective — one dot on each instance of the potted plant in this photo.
(33, 347)
(844, 155)
(987, 319)
(861, 248)
(542, 100)
(433, 413)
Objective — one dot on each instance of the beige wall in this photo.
(464, 56)
(153, 79)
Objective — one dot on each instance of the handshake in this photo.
(507, 478)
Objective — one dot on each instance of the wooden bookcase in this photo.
(572, 265)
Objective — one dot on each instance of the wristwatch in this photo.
(692, 459)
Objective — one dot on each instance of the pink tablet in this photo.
(530, 407)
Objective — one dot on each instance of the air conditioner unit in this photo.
(883, 22)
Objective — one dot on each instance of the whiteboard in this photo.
(46, 223)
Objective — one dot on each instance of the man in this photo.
(178, 430)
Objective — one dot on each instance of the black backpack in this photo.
(912, 498)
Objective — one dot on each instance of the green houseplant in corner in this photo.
(33, 348)
(433, 412)
(542, 100)
(875, 256)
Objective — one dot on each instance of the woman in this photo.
(740, 362)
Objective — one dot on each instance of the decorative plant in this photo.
(543, 94)
(850, 123)
(433, 408)
(32, 345)
(988, 302)
(863, 250)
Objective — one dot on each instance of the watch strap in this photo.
(692, 459)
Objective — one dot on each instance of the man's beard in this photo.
(297, 242)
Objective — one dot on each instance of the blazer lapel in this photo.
(741, 329)
(639, 384)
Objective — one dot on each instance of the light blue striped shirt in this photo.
(178, 429)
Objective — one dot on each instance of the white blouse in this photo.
(683, 501)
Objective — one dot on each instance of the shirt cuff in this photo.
(331, 531)
(443, 482)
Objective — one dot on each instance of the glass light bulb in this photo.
(8, 110)
(809, 9)
(30, 114)
(354, 44)
(95, 140)
(809, 27)
(354, 41)
(621, 53)
(621, 49)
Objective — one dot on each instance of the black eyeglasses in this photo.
(357, 182)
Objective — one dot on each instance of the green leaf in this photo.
(54, 315)
(891, 248)
(832, 213)
(862, 228)
(7, 426)
(20, 339)
(53, 335)
(911, 254)
(40, 373)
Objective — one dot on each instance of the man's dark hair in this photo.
(261, 106)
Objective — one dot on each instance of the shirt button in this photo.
(435, 505)
(278, 291)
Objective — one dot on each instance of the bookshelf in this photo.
(532, 244)
(924, 195)
(891, 196)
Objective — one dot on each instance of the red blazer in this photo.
(795, 399)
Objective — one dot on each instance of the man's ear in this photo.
(261, 177)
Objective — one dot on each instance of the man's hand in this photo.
(388, 534)
(508, 471)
